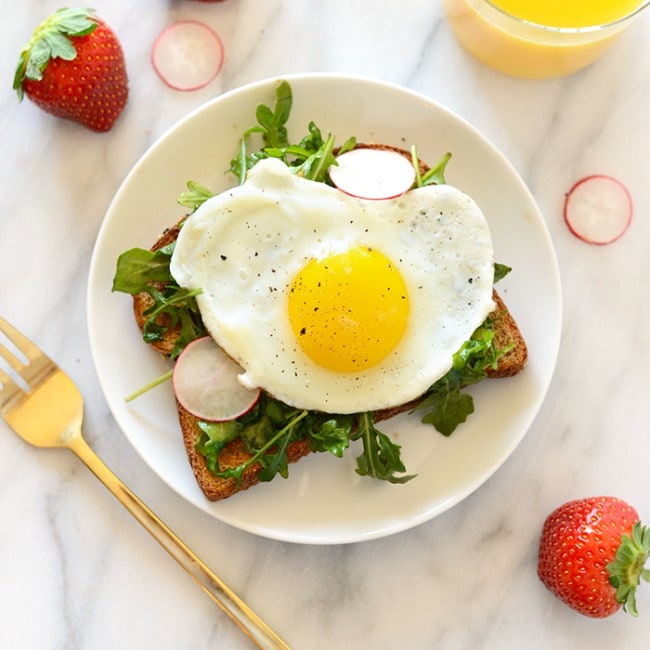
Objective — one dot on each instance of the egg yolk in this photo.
(349, 310)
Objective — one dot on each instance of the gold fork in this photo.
(45, 408)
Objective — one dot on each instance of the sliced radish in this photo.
(598, 209)
(370, 173)
(205, 383)
(187, 55)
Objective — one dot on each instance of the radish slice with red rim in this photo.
(206, 383)
(598, 209)
(187, 55)
(369, 173)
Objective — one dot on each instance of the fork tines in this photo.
(23, 368)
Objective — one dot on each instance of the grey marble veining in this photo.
(77, 573)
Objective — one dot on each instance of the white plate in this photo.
(324, 501)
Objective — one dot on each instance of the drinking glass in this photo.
(522, 48)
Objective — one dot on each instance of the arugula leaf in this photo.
(446, 407)
(214, 437)
(272, 455)
(139, 270)
(276, 462)
(435, 175)
(333, 435)
(381, 456)
(310, 158)
(449, 407)
(267, 431)
(195, 196)
(273, 122)
(500, 271)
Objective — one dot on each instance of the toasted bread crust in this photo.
(143, 301)
(507, 334)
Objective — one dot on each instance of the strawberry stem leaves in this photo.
(627, 569)
(51, 40)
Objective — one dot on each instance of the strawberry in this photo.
(73, 67)
(592, 555)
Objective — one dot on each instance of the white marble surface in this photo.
(77, 572)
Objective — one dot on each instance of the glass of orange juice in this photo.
(539, 39)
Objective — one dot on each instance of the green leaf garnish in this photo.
(310, 158)
(445, 405)
(139, 270)
(500, 272)
(435, 175)
(195, 196)
(381, 456)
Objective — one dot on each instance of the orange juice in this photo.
(539, 39)
(569, 13)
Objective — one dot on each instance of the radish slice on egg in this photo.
(369, 173)
(598, 209)
(206, 384)
(187, 55)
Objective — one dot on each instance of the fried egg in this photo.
(334, 303)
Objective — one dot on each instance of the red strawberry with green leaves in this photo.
(73, 67)
(592, 555)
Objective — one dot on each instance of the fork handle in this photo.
(249, 622)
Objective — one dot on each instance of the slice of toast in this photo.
(507, 335)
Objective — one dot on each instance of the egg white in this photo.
(244, 247)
